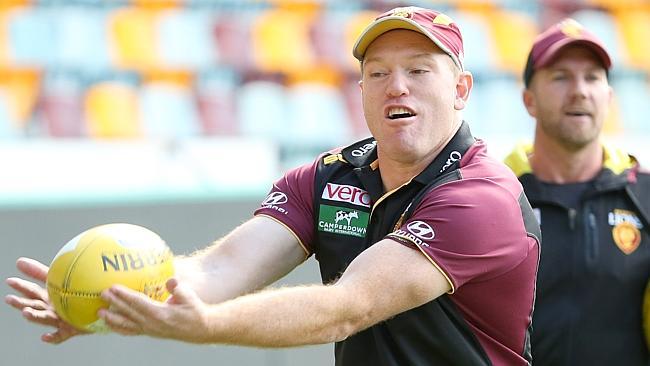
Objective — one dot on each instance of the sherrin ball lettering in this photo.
(100, 257)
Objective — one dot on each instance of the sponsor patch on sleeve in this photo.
(275, 201)
(417, 232)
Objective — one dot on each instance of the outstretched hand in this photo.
(182, 317)
(34, 303)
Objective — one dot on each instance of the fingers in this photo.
(132, 304)
(21, 303)
(181, 294)
(171, 284)
(27, 288)
(119, 323)
(54, 337)
(36, 311)
(32, 268)
(34, 302)
(63, 333)
(44, 317)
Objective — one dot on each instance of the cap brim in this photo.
(550, 54)
(389, 23)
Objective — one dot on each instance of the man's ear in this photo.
(463, 88)
(529, 102)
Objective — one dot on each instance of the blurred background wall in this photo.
(178, 114)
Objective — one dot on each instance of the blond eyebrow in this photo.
(378, 59)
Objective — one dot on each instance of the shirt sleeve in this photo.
(471, 230)
(290, 202)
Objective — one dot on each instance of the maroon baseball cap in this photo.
(437, 26)
(548, 44)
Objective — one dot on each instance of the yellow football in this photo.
(100, 257)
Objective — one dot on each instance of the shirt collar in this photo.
(449, 158)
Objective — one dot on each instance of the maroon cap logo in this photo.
(403, 12)
(571, 28)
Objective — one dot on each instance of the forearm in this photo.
(286, 317)
(213, 282)
(364, 295)
(251, 257)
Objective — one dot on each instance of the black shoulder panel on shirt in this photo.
(530, 221)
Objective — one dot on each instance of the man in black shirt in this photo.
(592, 202)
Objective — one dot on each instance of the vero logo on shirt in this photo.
(345, 193)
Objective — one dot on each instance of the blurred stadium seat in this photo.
(4, 38)
(328, 37)
(21, 89)
(512, 47)
(352, 94)
(62, 104)
(280, 40)
(354, 26)
(231, 36)
(168, 110)
(215, 93)
(262, 110)
(496, 107)
(317, 116)
(111, 110)
(184, 39)
(8, 126)
(635, 28)
(132, 35)
(31, 36)
(81, 39)
(632, 93)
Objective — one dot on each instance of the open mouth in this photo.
(577, 113)
(399, 112)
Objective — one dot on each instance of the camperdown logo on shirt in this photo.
(341, 220)
(345, 193)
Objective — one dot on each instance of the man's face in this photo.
(570, 98)
(409, 93)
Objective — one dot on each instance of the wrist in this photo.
(210, 326)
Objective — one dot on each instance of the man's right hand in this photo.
(34, 304)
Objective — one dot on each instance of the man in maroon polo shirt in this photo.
(428, 248)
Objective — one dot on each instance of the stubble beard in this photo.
(572, 137)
